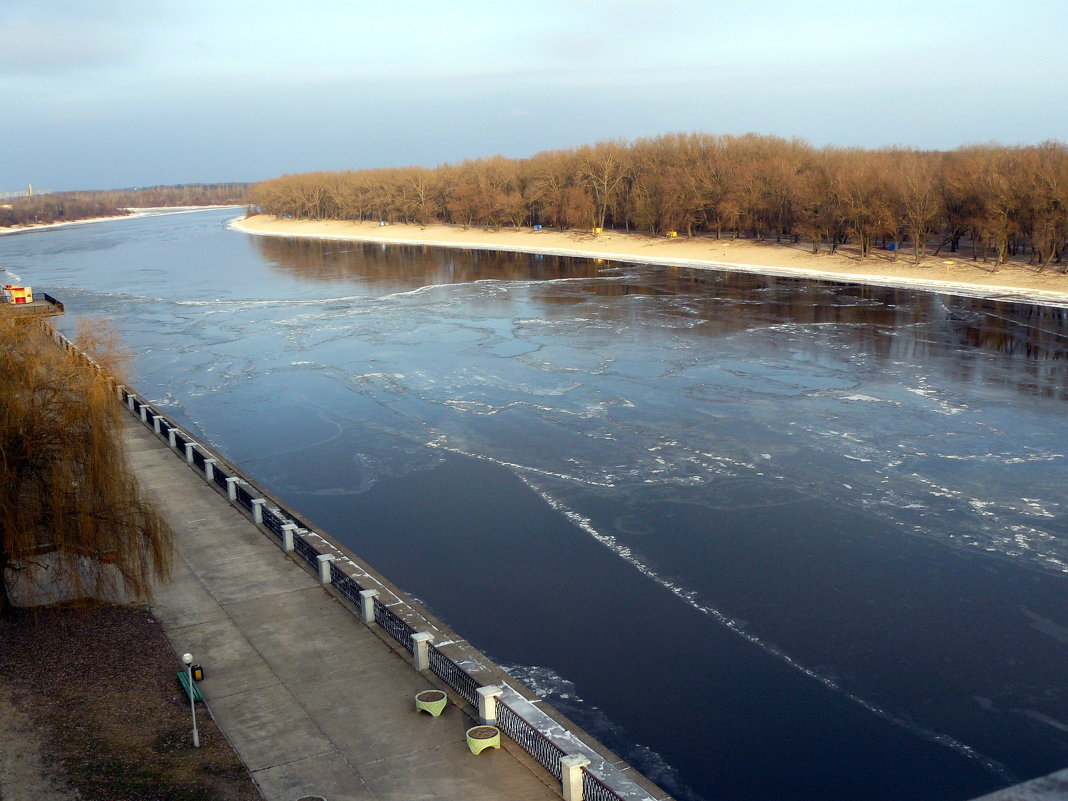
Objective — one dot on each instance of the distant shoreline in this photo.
(134, 212)
(949, 273)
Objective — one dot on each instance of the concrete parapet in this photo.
(487, 704)
(324, 567)
(571, 776)
(421, 650)
(287, 537)
(367, 605)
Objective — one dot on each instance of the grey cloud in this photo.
(50, 38)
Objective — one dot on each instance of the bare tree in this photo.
(922, 200)
(602, 170)
(70, 509)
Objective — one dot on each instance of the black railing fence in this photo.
(305, 550)
(593, 789)
(527, 735)
(292, 518)
(522, 731)
(243, 497)
(393, 625)
(219, 476)
(453, 675)
(273, 522)
(345, 584)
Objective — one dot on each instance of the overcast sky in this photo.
(115, 93)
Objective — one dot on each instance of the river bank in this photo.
(950, 273)
(132, 213)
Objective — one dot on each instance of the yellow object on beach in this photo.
(947, 262)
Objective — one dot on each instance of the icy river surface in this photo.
(767, 538)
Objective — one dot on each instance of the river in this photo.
(765, 537)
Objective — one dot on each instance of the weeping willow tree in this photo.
(71, 512)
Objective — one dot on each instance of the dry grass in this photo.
(100, 685)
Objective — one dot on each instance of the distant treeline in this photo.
(999, 201)
(66, 206)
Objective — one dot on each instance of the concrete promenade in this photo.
(313, 701)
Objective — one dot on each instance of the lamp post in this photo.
(188, 660)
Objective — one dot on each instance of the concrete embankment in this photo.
(315, 701)
(1047, 788)
(311, 699)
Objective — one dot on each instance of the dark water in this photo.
(767, 538)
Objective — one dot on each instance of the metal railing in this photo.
(219, 476)
(345, 584)
(273, 522)
(453, 675)
(57, 303)
(198, 458)
(304, 550)
(393, 625)
(244, 497)
(593, 789)
(292, 518)
(530, 738)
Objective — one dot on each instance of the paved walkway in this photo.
(312, 700)
(1047, 788)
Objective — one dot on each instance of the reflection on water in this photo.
(835, 514)
(886, 322)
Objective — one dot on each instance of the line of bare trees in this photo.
(67, 206)
(1000, 201)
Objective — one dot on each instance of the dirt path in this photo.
(24, 772)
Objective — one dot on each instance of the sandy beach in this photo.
(952, 273)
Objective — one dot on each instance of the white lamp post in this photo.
(188, 659)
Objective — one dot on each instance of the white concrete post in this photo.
(119, 388)
(487, 704)
(231, 487)
(324, 567)
(144, 413)
(189, 451)
(155, 422)
(571, 776)
(287, 536)
(257, 510)
(367, 605)
(421, 650)
(170, 437)
(130, 400)
(209, 469)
